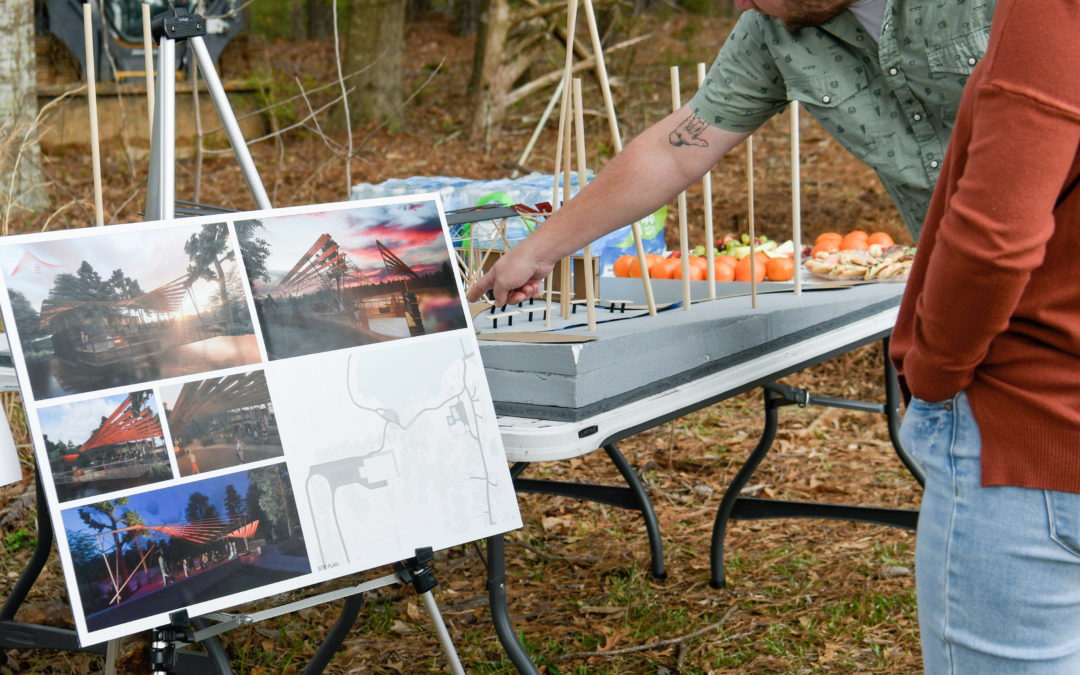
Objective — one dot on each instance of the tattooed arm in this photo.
(659, 164)
(689, 132)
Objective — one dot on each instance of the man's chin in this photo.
(799, 14)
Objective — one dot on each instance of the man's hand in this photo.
(516, 277)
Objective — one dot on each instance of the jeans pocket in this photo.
(927, 429)
(1063, 509)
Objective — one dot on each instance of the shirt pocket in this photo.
(959, 55)
(843, 106)
(950, 65)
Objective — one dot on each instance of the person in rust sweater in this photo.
(987, 344)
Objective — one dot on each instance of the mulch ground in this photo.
(802, 595)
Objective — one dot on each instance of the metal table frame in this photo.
(535, 440)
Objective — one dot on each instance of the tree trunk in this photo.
(20, 156)
(466, 17)
(414, 9)
(490, 45)
(375, 35)
(320, 18)
(298, 21)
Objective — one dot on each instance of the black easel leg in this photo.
(500, 614)
(37, 560)
(216, 658)
(768, 435)
(892, 416)
(337, 634)
(652, 526)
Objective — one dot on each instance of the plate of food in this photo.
(885, 265)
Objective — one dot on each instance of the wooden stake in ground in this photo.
(148, 61)
(796, 195)
(579, 134)
(684, 246)
(750, 217)
(91, 100)
(706, 189)
(616, 142)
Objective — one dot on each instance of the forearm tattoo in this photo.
(689, 132)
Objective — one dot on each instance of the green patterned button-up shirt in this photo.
(891, 103)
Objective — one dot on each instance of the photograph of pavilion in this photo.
(163, 550)
(221, 422)
(350, 277)
(104, 445)
(95, 312)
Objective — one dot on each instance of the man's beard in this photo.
(799, 14)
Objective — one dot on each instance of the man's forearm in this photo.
(659, 164)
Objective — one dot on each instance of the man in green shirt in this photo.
(882, 76)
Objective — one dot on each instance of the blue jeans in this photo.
(997, 568)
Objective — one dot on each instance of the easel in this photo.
(168, 642)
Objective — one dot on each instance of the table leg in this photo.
(734, 507)
(892, 415)
(632, 497)
(731, 495)
(500, 614)
(644, 505)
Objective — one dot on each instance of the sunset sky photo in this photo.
(411, 230)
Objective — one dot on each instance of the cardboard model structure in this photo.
(229, 407)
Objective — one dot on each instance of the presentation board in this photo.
(228, 407)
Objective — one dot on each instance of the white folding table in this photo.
(530, 440)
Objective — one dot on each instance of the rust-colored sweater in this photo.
(993, 303)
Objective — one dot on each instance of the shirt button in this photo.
(933, 164)
(972, 61)
(826, 98)
(893, 71)
(917, 117)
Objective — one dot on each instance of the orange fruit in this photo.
(726, 259)
(859, 233)
(742, 270)
(828, 236)
(881, 238)
(622, 265)
(854, 242)
(634, 269)
(697, 273)
(823, 249)
(780, 269)
(724, 271)
(700, 261)
(665, 269)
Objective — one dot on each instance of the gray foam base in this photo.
(636, 355)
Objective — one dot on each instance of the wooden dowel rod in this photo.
(796, 195)
(750, 217)
(571, 25)
(684, 245)
(706, 190)
(148, 61)
(579, 134)
(616, 142)
(565, 285)
(91, 100)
